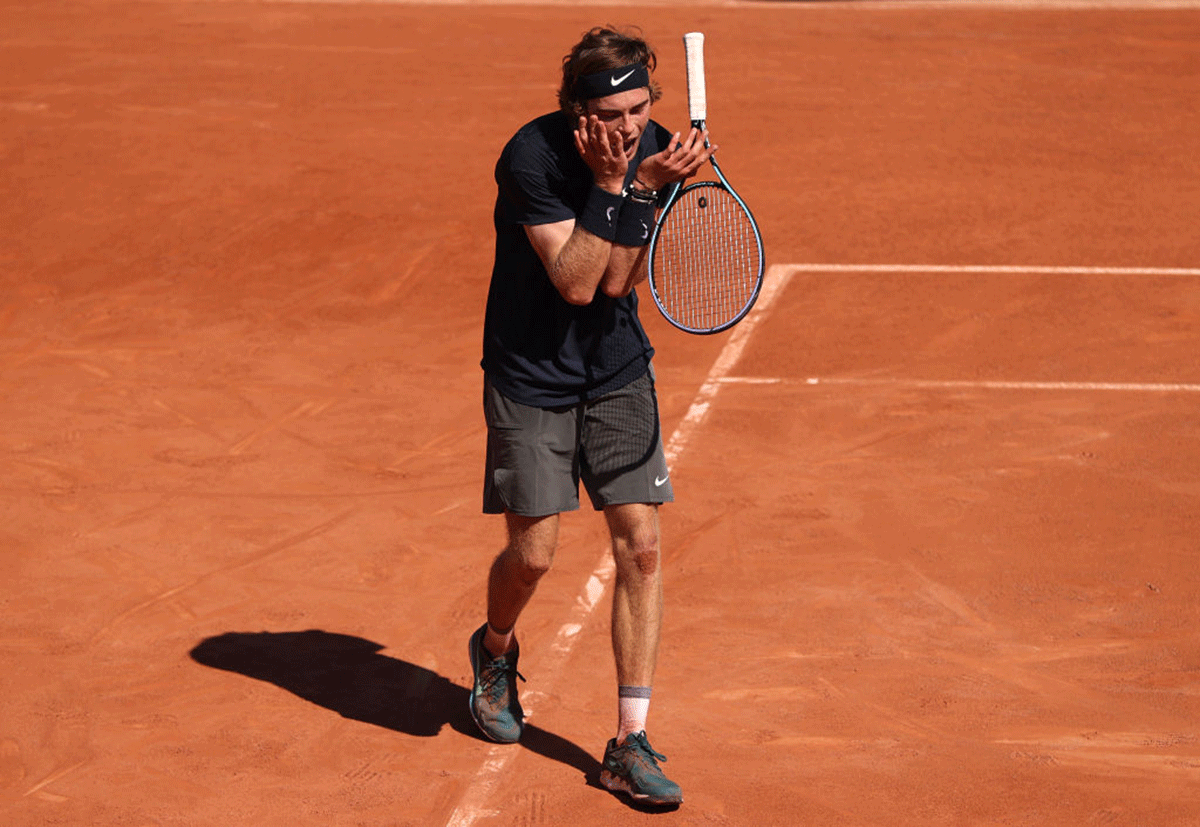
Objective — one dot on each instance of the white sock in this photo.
(633, 706)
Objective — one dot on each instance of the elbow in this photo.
(617, 291)
(578, 296)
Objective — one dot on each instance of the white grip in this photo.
(693, 46)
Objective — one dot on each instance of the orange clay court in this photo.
(933, 556)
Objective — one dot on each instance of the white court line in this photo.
(797, 7)
(998, 269)
(1019, 5)
(1129, 387)
(481, 787)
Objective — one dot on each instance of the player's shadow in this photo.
(348, 675)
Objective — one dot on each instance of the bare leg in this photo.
(515, 574)
(637, 595)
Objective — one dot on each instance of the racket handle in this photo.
(693, 46)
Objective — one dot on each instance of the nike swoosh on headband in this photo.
(610, 81)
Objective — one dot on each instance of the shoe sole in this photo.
(617, 784)
(471, 701)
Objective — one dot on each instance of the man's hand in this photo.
(679, 161)
(608, 163)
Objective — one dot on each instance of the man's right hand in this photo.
(607, 163)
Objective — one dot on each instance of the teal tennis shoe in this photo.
(632, 768)
(494, 703)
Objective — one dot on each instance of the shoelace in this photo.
(492, 678)
(639, 740)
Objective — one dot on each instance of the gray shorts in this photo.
(536, 457)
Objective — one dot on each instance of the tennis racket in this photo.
(706, 254)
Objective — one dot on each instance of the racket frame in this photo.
(676, 192)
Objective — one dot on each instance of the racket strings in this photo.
(708, 260)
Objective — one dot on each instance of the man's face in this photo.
(624, 115)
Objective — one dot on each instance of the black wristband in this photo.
(600, 212)
(635, 224)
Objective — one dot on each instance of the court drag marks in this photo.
(244, 270)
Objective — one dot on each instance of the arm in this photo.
(572, 257)
(575, 260)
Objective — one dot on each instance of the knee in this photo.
(640, 552)
(527, 566)
(530, 550)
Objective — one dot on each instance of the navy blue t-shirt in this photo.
(538, 348)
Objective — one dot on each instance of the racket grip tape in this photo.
(693, 47)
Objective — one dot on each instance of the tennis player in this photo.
(568, 386)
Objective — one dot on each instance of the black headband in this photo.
(600, 84)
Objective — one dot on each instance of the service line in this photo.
(1015, 269)
(967, 384)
